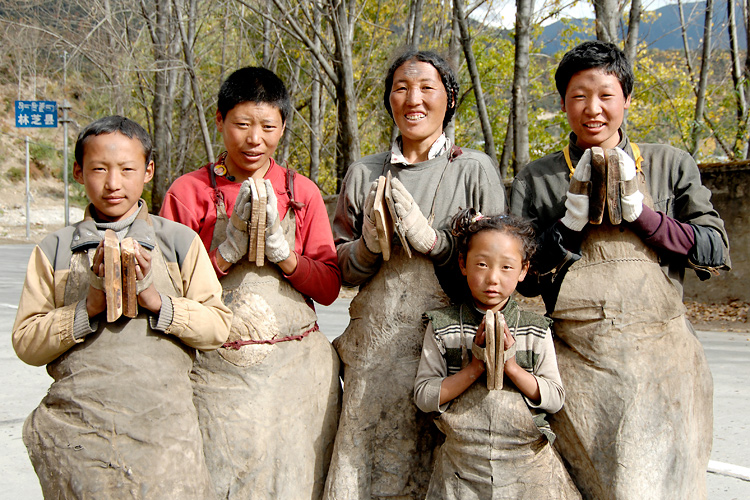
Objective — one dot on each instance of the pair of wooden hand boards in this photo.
(605, 186)
(494, 354)
(257, 224)
(119, 276)
(386, 219)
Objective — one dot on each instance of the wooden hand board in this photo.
(260, 223)
(253, 225)
(112, 275)
(598, 196)
(129, 293)
(614, 168)
(383, 220)
(394, 217)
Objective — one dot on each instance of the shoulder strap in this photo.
(296, 205)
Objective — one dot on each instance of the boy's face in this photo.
(595, 106)
(114, 171)
(251, 133)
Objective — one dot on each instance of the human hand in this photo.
(631, 199)
(508, 339)
(96, 299)
(148, 296)
(577, 198)
(420, 235)
(234, 247)
(277, 248)
(369, 232)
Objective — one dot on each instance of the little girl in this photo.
(497, 443)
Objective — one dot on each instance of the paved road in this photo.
(24, 386)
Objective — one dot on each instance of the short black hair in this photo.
(444, 69)
(110, 125)
(595, 54)
(254, 84)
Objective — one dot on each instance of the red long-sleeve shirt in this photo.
(190, 200)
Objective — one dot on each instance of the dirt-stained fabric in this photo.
(267, 412)
(119, 421)
(494, 450)
(637, 420)
(384, 446)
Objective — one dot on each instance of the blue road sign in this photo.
(36, 114)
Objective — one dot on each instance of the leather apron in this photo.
(119, 421)
(268, 405)
(494, 450)
(637, 421)
(385, 444)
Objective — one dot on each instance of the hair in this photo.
(110, 125)
(444, 69)
(468, 222)
(595, 54)
(254, 84)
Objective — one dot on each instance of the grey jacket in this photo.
(539, 191)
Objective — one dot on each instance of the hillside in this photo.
(660, 29)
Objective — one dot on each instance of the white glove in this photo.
(577, 205)
(369, 233)
(632, 204)
(277, 248)
(420, 235)
(234, 247)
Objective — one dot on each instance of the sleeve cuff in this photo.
(82, 324)
(166, 314)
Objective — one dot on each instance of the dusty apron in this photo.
(494, 450)
(119, 421)
(637, 420)
(268, 406)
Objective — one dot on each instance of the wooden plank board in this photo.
(392, 211)
(598, 196)
(383, 220)
(129, 294)
(499, 350)
(260, 225)
(614, 167)
(489, 342)
(253, 238)
(112, 275)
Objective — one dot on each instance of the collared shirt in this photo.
(440, 146)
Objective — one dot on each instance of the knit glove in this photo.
(234, 247)
(277, 248)
(420, 235)
(369, 233)
(576, 204)
(631, 199)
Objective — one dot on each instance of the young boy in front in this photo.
(268, 400)
(637, 421)
(118, 420)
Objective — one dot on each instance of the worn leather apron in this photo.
(494, 450)
(119, 421)
(268, 407)
(637, 420)
(385, 444)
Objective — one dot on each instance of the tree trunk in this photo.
(414, 27)
(187, 50)
(740, 141)
(489, 142)
(524, 11)
(161, 104)
(700, 100)
(634, 23)
(607, 15)
(747, 74)
(454, 55)
(315, 121)
(507, 156)
(347, 136)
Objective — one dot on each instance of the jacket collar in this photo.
(87, 235)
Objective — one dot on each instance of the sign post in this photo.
(38, 114)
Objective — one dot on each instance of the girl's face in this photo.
(493, 266)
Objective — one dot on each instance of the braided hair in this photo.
(468, 222)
